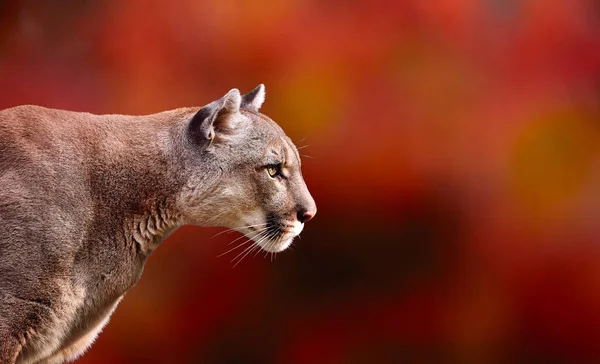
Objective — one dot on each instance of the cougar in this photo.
(85, 199)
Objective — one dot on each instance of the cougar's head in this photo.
(247, 176)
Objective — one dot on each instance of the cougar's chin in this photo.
(276, 236)
(276, 245)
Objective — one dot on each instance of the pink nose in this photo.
(305, 216)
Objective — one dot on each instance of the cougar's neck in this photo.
(135, 180)
(144, 231)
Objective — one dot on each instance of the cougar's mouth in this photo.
(279, 234)
(274, 235)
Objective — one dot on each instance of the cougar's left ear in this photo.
(216, 117)
(254, 99)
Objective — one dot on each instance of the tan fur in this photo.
(85, 199)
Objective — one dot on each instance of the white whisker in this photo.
(238, 227)
(249, 250)
(258, 230)
(243, 252)
(271, 244)
(257, 234)
(258, 240)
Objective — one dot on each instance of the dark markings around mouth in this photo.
(274, 228)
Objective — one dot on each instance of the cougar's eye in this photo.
(273, 169)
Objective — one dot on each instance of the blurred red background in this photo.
(453, 151)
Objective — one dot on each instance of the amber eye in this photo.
(273, 169)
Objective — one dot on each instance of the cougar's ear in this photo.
(217, 116)
(254, 99)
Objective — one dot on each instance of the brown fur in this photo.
(85, 199)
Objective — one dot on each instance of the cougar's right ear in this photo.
(215, 117)
(254, 99)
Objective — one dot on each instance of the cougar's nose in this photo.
(305, 215)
